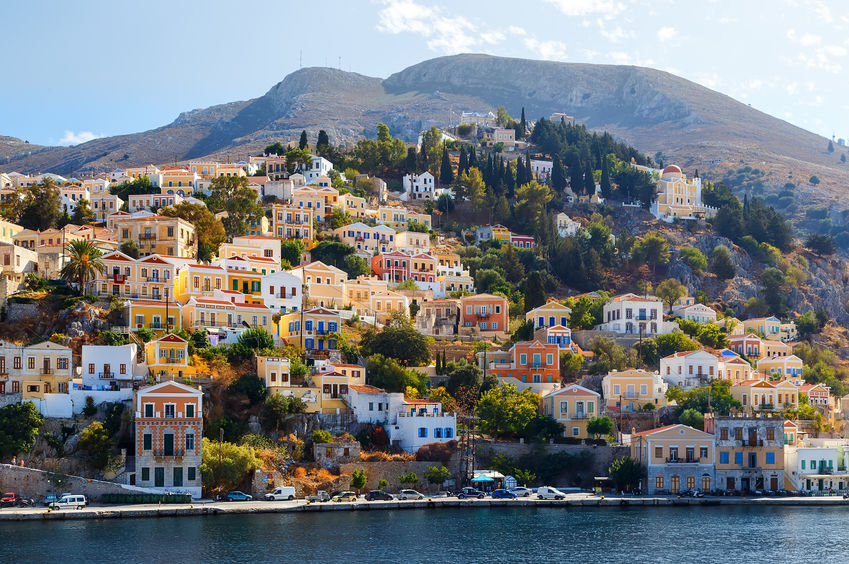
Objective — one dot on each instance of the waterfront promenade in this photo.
(576, 500)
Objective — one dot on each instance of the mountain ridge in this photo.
(654, 110)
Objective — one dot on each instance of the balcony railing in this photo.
(46, 370)
(752, 443)
(173, 452)
(170, 360)
(677, 460)
(106, 375)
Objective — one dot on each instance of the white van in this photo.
(70, 501)
(281, 493)
(547, 492)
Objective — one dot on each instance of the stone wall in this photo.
(391, 470)
(32, 483)
(21, 312)
(7, 288)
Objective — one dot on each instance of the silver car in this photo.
(522, 492)
(410, 494)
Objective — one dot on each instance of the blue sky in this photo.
(90, 68)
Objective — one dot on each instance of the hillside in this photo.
(650, 109)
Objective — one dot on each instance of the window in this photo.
(770, 434)
(449, 433)
(148, 410)
(422, 432)
(658, 452)
(723, 458)
(147, 441)
(723, 434)
(123, 369)
(703, 452)
(190, 410)
(564, 407)
(91, 368)
(616, 391)
(437, 433)
(145, 474)
(770, 457)
(803, 464)
(31, 363)
(190, 441)
(170, 410)
(644, 390)
(738, 458)
(191, 473)
(658, 482)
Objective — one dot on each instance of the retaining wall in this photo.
(33, 483)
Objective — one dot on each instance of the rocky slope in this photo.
(653, 110)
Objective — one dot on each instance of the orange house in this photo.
(169, 429)
(485, 315)
(527, 364)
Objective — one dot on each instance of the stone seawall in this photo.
(33, 483)
(391, 471)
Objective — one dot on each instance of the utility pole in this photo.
(220, 447)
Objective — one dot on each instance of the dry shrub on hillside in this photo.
(380, 456)
(437, 452)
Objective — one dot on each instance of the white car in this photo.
(70, 502)
(410, 494)
(522, 492)
(548, 492)
(281, 493)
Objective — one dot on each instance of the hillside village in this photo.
(399, 312)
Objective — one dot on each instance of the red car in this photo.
(9, 499)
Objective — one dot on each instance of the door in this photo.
(729, 484)
(159, 477)
(773, 484)
(744, 484)
(705, 484)
(168, 443)
(178, 476)
(675, 484)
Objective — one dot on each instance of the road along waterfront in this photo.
(249, 507)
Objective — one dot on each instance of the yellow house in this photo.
(677, 458)
(333, 382)
(46, 369)
(678, 196)
(251, 246)
(771, 349)
(734, 368)
(358, 293)
(156, 234)
(274, 371)
(549, 315)
(386, 302)
(177, 178)
(781, 366)
(320, 326)
(631, 390)
(167, 358)
(572, 407)
(195, 280)
(210, 313)
(8, 230)
(157, 316)
(245, 281)
(354, 205)
(292, 223)
(145, 278)
(324, 283)
(763, 395)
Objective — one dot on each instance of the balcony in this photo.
(106, 375)
(161, 453)
(147, 236)
(752, 443)
(536, 365)
(118, 279)
(170, 360)
(483, 314)
(154, 279)
(676, 460)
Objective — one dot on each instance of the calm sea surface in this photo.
(682, 535)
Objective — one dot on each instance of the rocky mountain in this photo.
(650, 109)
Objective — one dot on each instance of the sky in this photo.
(90, 68)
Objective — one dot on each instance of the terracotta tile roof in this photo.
(365, 389)
(652, 431)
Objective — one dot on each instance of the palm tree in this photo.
(83, 264)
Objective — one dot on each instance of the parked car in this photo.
(9, 499)
(379, 495)
(695, 493)
(410, 494)
(320, 496)
(522, 492)
(470, 492)
(548, 492)
(70, 502)
(281, 493)
(346, 496)
(236, 495)
(503, 494)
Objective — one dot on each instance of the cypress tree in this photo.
(464, 161)
(509, 180)
(446, 174)
(589, 181)
(534, 291)
(520, 172)
(522, 123)
(302, 144)
(605, 178)
(576, 178)
(558, 179)
(412, 160)
(323, 140)
(473, 159)
(528, 169)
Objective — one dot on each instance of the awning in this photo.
(480, 479)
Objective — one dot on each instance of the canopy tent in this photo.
(482, 479)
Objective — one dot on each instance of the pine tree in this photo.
(302, 144)
(606, 189)
(463, 166)
(412, 160)
(446, 174)
(830, 146)
(558, 178)
(696, 174)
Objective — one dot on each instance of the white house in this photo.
(107, 367)
(689, 369)
(699, 313)
(320, 167)
(566, 226)
(542, 169)
(630, 314)
(410, 423)
(281, 291)
(420, 187)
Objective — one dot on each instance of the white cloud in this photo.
(666, 33)
(71, 138)
(606, 8)
(614, 35)
(546, 49)
(791, 88)
(447, 34)
(834, 50)
(806, 39)
(517, 30)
